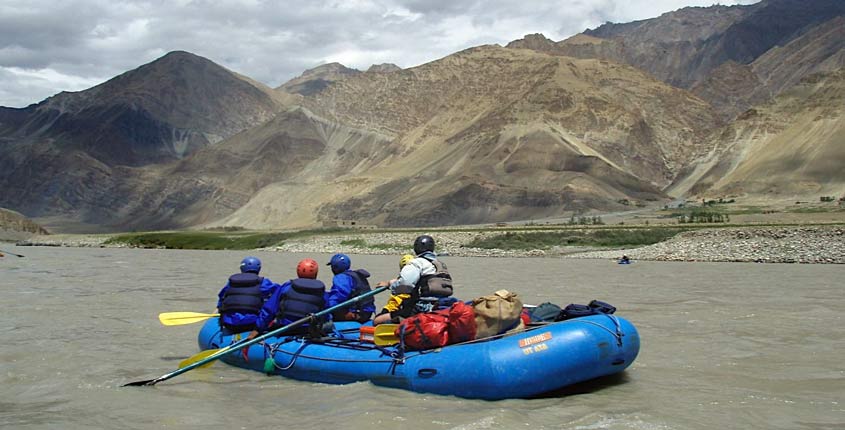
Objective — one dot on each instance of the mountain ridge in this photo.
(533, 130)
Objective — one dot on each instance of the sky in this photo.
(49, 46)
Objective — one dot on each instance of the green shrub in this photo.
(598, 237)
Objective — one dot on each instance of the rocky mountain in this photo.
(62, 156)
(492, 134)
(712, 50)
(315, 80)
(791, 147)
(158, 112)
(383, 68)
(743, 100)
(733, 88)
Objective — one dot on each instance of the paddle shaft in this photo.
(247, 342)
(10, 253)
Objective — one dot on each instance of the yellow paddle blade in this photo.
(181, 318)
(384, 334)
(197, 357)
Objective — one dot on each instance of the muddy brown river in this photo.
(724, 346)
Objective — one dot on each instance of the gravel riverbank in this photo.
(762, 245)
(813, 244)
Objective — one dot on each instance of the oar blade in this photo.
(140, 383)
(182, 318)
(247, 342)
(198, 357)
(384, 334)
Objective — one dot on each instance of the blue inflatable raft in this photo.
(541, 359)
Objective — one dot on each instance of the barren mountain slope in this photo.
(317, 79)
(732, 88)
(669, 47)
(490, 134)
(158, 112)
(67, 155)
(733, 57)
(791, 147)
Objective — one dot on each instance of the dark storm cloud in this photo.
(48, 46)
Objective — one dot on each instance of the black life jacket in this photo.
(243, 295)
(438, 284)
(304, 297)
(363, 309)
(362, 286)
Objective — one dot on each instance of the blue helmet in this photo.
(250, 264)
(340, 263)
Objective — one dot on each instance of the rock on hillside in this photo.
(314, 80)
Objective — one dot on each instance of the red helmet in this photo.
(307, 268)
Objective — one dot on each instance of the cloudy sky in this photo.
(47, 46)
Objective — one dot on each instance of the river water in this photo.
(730, 346)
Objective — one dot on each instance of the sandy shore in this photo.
(813, 244)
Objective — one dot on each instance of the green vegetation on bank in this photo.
(361, 243)
(215, 240)
(588, 237)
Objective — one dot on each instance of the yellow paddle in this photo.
(245, 342)
(203, 354)
(181, 318)
(384, 335)
(197, 357)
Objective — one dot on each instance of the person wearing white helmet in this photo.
(425, 280)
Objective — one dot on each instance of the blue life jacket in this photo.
(243, 295)
(305, 296)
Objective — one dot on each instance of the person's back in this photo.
(240, 300)
(425, 281)
(293, 300)
(347, 284)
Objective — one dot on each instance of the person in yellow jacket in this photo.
(395, 300)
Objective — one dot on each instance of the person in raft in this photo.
(394, 302)
(241, 299)
(425, 280)
(293, 300)
(347, 284)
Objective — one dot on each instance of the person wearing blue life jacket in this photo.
(292, 301)
(241, 299)
(424, 281)
(347, 284)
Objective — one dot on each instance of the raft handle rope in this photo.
(618, 334)
(395, 356)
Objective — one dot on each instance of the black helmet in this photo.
(423, 243)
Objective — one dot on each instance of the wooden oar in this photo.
(11, 253)
(181, 318)
(384, 334)
(247, 342)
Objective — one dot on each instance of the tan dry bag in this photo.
(497, 313)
